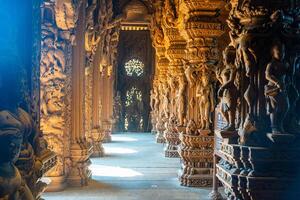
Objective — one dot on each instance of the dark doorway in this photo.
(134, 79)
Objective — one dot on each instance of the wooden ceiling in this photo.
(120, 4)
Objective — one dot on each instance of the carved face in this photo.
(10, 146)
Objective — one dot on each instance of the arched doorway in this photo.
(134, 77)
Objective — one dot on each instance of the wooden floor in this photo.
(134, 168)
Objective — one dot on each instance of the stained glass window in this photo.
(134, 67)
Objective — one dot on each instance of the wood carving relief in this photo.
(257, 95)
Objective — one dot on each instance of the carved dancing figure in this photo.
(228, 92)
(189, 73)
(206, 100)
(180, 100)
(275, 90)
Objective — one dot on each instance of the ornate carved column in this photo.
(162, 63)
(55, 85)
(201, 28)
(80, 149)
(176, 52)
(163, 98)
(92, 40)
(260, 148)
(160, 104)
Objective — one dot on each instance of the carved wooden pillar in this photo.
(162, 69)
(88, 104)
(92, 40)
(107, 103)
(176, 46)
(259, 144)
(80, 150)
(201, 28)
(55, 85)
(97, 132)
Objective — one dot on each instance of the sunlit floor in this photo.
(134, 168)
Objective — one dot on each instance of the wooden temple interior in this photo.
(217, 82)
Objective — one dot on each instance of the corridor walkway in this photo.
(134, 168)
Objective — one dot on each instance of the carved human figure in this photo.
(152, 99)
(246, 55)
(228, 90)
(180, 100)
(170, 19)
(206, 100)
(165, 99)
(275, 90)
(156, 99)
(10, 146)
(12, 129)
(172, 94)
(189, 73)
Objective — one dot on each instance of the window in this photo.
(134, 67)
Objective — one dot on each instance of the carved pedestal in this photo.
(172, 142)
(259, 173)
(98, 138)
(58, 183)
(79, 173)
(171, 135)
(196, 153)
(107, 126)
(160, 132)
(107, 137)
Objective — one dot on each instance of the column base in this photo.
(244, 174)
(98, 152)
(107, 138)
(215, 195)
(79, 172)
(195, 177)
(160, 138)
(172, 140)
(98, 149)
(153, 132)
(57, 184)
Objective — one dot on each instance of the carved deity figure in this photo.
(12, 186)
(228, 90)
(172, 95)
(180, 100)
(10, 146)
(170, 18)
(189, 73)
(206, 100)
(275, 90)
